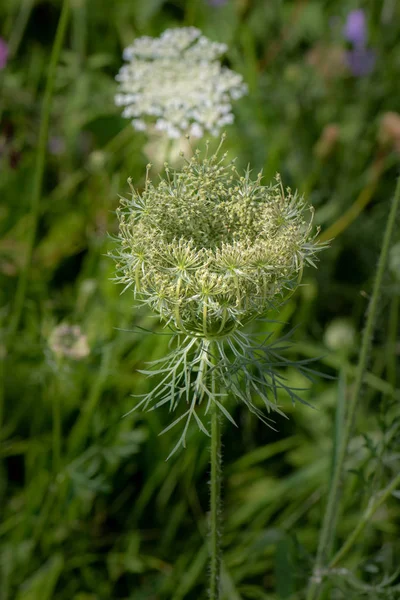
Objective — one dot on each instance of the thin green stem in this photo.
(329, 522)
(19, 26)
(391, 340)
(215, 496)
(39, 169)
(80, 430)
(366, 518)
(57, 428)
(2, 374)
(2, 385)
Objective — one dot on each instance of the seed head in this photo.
(210, 249)
(177, 83)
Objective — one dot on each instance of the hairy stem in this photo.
(329, 522)
(39, 169)
(215, 496)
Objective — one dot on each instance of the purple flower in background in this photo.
(3, 53)
(216, 2)
(361, 61)
(355, 29)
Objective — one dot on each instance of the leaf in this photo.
(284, 568)
(171, 425)
(42, 584)
(200, 423)
(192, 574)
(145, 10)
(226, 413)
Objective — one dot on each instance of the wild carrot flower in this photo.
(68, 341)
(176, 83)
(210, 250)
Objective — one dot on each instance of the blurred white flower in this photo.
(176, 83)
(69, 341)
(340, 335)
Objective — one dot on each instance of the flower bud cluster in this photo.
(176, 83)
(210, 249)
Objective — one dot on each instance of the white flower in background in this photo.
(340, 335)
(68, 341)
(176, 83)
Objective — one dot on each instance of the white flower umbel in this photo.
(177, 84)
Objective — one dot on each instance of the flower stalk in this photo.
(215, 493)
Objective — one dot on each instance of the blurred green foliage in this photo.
(100, 514)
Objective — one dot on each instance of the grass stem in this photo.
(362, 201)
(57, 428)
(329, 522)
(38, 174)
(365, 519)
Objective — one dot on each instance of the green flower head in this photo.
(209, 249)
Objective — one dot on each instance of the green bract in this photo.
(209, 249)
